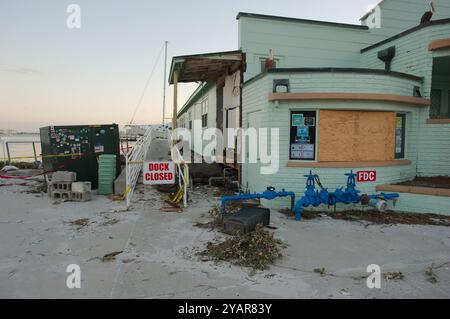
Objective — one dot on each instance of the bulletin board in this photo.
(303, 135)
(350, 136)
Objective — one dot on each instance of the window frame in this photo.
(439, 101)
(204, 105)
(402, 154)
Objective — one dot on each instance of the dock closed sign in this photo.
(159, 173)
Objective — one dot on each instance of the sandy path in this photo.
(37, 244)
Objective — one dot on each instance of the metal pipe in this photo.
(9, 155)
(34, 151)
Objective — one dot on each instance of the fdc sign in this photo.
(159, 173)
(366, 176)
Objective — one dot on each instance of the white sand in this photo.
(36, 246)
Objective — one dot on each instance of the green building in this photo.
(371, 98)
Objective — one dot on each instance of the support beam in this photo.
(175, 103)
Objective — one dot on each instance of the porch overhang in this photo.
(205, 67)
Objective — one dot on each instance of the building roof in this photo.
(404, 33)
(198, 93)
(368, 13)
(337, 70)
(317, 22)
(205, 67)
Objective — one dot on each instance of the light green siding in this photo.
(413, 57)
(400, 15)
(300, 44)
(423, 204)
(292, 179)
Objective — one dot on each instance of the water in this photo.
(20, 150)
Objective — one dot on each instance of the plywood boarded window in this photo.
(350, 136)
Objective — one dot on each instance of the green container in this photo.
(90, 140)
(106, 174)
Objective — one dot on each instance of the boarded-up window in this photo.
(350, 136)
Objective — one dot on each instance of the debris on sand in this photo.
(321, 271)
(430, 182)
(386, 218)
(257, 250)
(119, 209)
(395, 276)
(431, 276)
(80, 223)
(230, 209)
(111, 257)
(345, 292)
(110, 222)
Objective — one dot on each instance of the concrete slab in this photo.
(159, 151)
(120, 184)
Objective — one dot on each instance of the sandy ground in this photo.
(158, 261)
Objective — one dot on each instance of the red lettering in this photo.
(366, 176)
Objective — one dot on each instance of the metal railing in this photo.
(182, 169)
(133, 163)
(7, 153)
(135, 158)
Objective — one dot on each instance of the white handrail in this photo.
(133, 162)
(135, 158)
(182, 168)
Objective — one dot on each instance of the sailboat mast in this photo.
(164, 90)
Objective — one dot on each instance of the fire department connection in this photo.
(315, 198)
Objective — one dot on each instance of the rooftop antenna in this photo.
(165, 76)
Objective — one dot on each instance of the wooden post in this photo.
(175, 103)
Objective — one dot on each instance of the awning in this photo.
(205, 67)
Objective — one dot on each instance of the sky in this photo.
(53, 75)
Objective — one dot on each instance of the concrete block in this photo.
(62, 195)
(61, 186)
(81, 196)
(81, 187)
(64, 177)
(246, 220)
(120, 184)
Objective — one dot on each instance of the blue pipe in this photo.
(269, 194)
(350, 195)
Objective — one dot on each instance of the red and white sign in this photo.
(366, 176)
(159, 173)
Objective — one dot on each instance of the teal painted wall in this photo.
(299, 44)
(400, 15)
(292, 179)
(413, 57)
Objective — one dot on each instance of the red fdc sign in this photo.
(159, 173)
(366, 176)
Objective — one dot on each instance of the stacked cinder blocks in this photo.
(81, 191)
(64, 187)
(61, 185)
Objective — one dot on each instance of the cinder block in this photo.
(62, 195)
(61, 186)
(64, 177)
(81, 196)
(81, 187)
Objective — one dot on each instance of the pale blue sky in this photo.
(52, 75)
